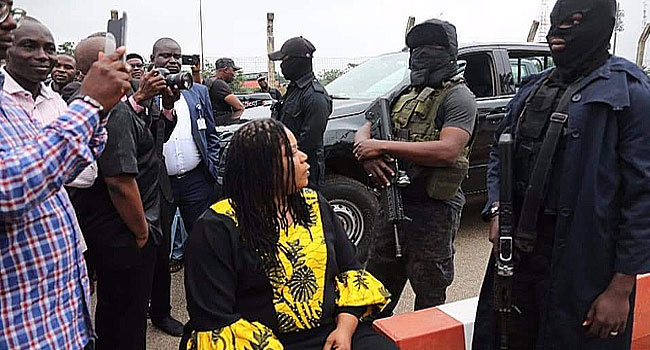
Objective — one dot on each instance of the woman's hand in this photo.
(341, 337)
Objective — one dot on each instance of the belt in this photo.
(180, 176)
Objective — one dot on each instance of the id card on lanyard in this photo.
(200, 122)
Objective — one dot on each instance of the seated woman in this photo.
(271, 267)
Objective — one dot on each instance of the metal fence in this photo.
(321, 64)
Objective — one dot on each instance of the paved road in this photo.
(472, 251)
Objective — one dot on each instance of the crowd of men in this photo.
(98, 157)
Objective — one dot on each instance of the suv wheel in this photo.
(356, 208)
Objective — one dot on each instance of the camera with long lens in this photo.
(183, 80)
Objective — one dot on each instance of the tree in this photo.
(237, 85)
(67, 48)
(208, 71)
(327, 76)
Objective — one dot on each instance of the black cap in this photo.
(225, 62)
(134, 55)
(294, 47)
(261, 77)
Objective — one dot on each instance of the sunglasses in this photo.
(6, 10)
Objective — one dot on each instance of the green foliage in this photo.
(327, 76)
(237, 85)
(208, 71)
(67, 48)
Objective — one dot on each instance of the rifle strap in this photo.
(526, 230)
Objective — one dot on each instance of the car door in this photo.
(483, 73)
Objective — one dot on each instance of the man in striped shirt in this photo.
(44, 295)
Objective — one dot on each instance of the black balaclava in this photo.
(431, 65)
(294, 68)
(587, 43)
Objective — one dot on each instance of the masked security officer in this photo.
(433, 121)
(306, 105)
(582, 223)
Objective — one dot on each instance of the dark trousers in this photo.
(161, 286)
(428, 253)
(193, 193)
(122, 294)
(530, 287)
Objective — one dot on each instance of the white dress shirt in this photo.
(181, 153)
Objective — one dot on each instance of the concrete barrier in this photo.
(451, 326)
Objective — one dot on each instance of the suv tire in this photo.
(356, 208)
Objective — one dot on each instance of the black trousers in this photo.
(193, 194)
(161, 286)
(122, 295)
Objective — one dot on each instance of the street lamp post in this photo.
(201, 24)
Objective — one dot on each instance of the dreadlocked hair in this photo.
(260, 191)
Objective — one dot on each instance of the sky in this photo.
(338, 28)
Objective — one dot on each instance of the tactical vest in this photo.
(415, 119)
(530, 135)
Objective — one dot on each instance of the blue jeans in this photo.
(179, 236)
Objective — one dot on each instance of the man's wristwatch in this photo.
(91, 101)
(491, 212)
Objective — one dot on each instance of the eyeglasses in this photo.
(17, 14)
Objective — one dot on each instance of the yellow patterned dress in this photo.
(235, 304)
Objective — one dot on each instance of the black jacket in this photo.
(305, 110)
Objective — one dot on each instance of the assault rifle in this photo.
(391, 195)
(504, 261)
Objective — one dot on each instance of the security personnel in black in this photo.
(306, 106)
(580, 195)
(433, 120)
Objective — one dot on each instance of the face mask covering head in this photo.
(579, 45)
(434, 52)
(293, 68)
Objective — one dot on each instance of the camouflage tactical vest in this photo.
(414, 116)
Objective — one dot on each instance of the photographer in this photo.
(190, 159)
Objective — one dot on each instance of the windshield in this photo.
(371, 79)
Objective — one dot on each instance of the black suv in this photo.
(492, 71)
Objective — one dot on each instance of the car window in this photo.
(479, 74)
(372, 78)
(525, 64)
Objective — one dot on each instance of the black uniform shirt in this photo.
(305, 110)
(129, 150)
(218, 92)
